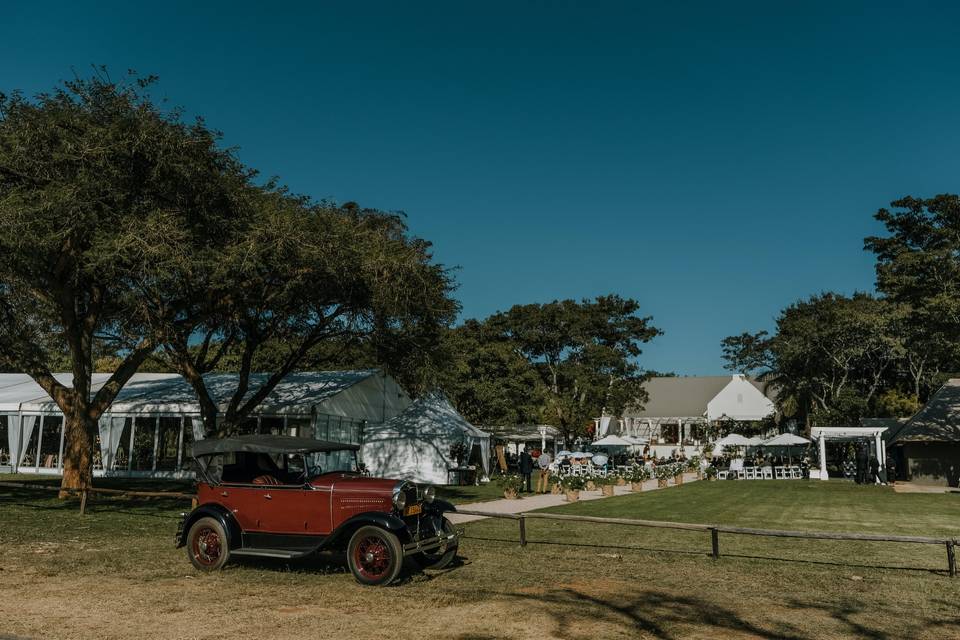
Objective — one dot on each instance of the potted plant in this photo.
(511, 484)
(711, 473)
(677, 471)
(572, 485)
(555, 487)
(663, 472)
(591, 482)
(607, 483)
(637, 474)
(693, 464)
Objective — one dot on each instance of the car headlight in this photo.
(429, 494)
(399, 500)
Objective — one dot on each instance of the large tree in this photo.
(918, 266)
(585, 354)
(300, 283)
(102, 195)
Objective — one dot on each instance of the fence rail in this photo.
(715, 530)
(84, 492)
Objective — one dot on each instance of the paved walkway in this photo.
(541, 501)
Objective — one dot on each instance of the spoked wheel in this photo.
(441, 557)
(207, 545)
(375, 556)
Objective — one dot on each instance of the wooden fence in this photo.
(715, 530)
(84, 492)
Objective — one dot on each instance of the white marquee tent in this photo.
(154, 417)
(415, 445)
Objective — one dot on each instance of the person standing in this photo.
(525, 466)
(875, 471)
(543, 481)
(891, 470)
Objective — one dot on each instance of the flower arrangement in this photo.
(638, 473)
(678, 469)
(693, 464)
(607, 483)
(572, 483)
(711, 472)
(458, 451)
(510, 483)
(663, 473)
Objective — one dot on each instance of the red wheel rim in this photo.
(372, 557)
(206, 546)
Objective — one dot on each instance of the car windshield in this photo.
(333, 462)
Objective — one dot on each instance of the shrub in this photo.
(638, 473)
(573, 483)
(509, 482)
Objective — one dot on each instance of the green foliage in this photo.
(581, 358)
(894, 403)
(638, 473)
(509, 482)
(573, 483)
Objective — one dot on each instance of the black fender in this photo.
(219, 513)
(438, 507)
(341, 535)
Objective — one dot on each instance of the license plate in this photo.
(412, 510)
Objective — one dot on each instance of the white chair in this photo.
(796, 473)
(766, 473)
(723, 475)
(736, 468)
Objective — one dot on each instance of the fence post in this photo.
(715, 542)
(951, 558)
(523, 531)
(83, 501)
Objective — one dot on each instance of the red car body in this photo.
(248, 504)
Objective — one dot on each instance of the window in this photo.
(121, 459)
(141, 457)
(271, 425)
(299, 427)
(50, 442)
(168, 444)
(5, 455)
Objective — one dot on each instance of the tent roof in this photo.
(266, 444)
(683, 396)
(938, 420)
(169, 392)
(429, 414)
(786, 440)
(734, 440)
(611, 441)
(522, 433)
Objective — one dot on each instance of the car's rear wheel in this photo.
(207, 545)
(374, 556)
(443, 556)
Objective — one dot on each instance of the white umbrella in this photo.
(578, 454)
(786, 440)
(611, 441)
(599, 459)
(563, 453)
(734, 440)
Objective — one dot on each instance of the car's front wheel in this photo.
(441, 557)
(374, 556)
(207, 545)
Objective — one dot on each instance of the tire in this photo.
(444, 555)
(374, 556)
(208, 546)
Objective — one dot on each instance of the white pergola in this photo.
(821, 434)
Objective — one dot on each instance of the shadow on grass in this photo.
(653, 613)
(679, 552)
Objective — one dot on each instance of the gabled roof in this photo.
(682, 396)
(431, 414)
(938, 420)
(892, 425)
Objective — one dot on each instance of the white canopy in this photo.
(734, 440)
(786, 440)
(611, 441)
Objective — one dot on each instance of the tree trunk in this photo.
(78, 447)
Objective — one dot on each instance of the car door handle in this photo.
(223, 493)
(268, 496)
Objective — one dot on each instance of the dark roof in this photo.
(684, 396)
(892, 425)
(265, 444)
(938, 420)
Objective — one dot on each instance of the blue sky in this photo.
(715, 161)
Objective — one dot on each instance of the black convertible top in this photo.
(266, 444)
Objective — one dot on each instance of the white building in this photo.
(680, 406)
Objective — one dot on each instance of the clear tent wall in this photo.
(138, 445)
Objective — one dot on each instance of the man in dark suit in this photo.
(526, 469)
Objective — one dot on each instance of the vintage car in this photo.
(289, 497)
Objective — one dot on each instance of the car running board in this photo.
(286, 554)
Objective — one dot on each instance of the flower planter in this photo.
(556, 489)
(510, 494)
(678, 480)
(662, 482)
(591, 485)
(607, 489)
(572, 496)
(636, 486)
(621, 482)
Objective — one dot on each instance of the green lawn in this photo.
(470, 493)
(573, 582)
